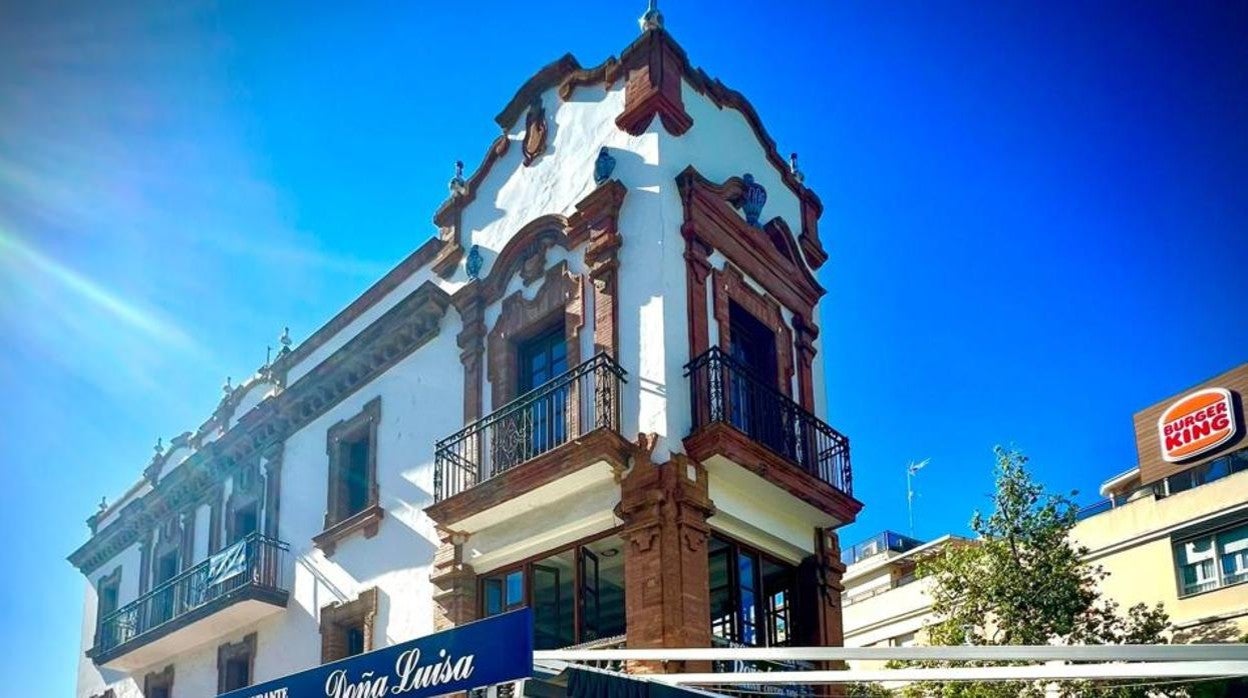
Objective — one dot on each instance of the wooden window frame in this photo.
(162, 679)
(243, 649)
(112, 579)
(368, 519)
(762, 624)
(526, 567)
(337, 618)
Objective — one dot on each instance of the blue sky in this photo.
(1036, 214)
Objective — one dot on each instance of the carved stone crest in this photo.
(535, 132)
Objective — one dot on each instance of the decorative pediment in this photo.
(774, 261)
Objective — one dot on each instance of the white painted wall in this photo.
(421, 395)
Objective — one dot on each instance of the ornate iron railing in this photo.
(258, 562)
(723, 390)
(582, 400)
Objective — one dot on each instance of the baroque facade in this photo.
(596, 393)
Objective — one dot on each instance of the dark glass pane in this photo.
(493, 596)
(237, 674)
(355, 640)
(356, 475)
(609, 576)
(1238, 461)
(553, 614)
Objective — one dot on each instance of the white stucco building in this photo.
(596, 392)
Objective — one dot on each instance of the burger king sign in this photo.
(1196, 423)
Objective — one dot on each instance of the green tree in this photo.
(1024, 582)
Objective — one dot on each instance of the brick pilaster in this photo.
(455, 585)
(667, 599)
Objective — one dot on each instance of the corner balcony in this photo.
(741, 420)
(229, 590)
(557, 439)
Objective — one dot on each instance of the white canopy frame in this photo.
(1046, 662)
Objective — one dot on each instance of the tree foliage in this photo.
(1024, 582)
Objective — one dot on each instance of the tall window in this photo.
(754, 410)
(1212, 560)
(542, 359)
(751, 595)
(347, 628)
(353, 465)
(234, 664)
(577, 594)
(109, 593)
(159, 685)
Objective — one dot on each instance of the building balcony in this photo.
(229, 590)
(741, 419)
(560, 436)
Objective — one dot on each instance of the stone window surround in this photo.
(244, 648)
(337, 617)
(113, 579)
(561, 294)
(243, 496)
(162, 679)
(368, 519)
(731, 287)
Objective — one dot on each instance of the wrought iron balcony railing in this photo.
(582, 400)
(256, 562)
(725, 391)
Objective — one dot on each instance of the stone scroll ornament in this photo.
(535, 132)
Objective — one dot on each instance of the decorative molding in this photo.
(423, 255)
(272, 492)
(449, 216)
(243, 649)
(723, 440)
(367, 520)
(603, 445)
(710, 218)
(337, 617)
(535, 133)
(402, 330)
(655, 66)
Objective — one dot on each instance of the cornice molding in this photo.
(403, 329)
(768, 255)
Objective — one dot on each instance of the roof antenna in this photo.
(912, 469)
(652, 19)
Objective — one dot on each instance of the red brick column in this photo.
(821, 586)
(455, 585)
(667, 599)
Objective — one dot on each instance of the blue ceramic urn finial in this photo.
(797, 174)
(474, 263)
(752, 199)
(457, 185)
(603, 166)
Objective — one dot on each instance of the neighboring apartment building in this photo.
(885, 604)
(595, 392)
(1174, 528)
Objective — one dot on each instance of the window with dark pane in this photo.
(751, 595)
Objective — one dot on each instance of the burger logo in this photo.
(1195, 424)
